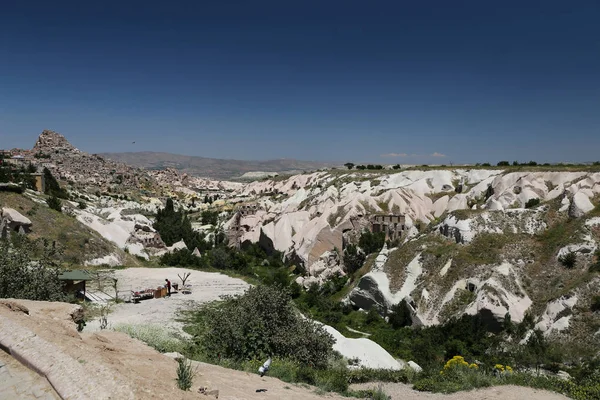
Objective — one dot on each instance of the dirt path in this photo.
(399, 391)
(206, 287)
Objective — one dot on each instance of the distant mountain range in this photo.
(214, 168)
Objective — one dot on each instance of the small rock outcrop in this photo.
(50, 141)
(580, 205)
(13, 221)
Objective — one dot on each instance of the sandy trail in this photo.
(206, 287)
(399, 391)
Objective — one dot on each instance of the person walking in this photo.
(168, 287)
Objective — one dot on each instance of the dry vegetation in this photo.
(78, 241)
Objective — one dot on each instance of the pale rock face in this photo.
(13, 215)
(111, 260)
(315, 210)
(325, 268)
(580, 206)
(368, 353)
(439, 207)
(549, 322)
(373, 289)
(177, 246)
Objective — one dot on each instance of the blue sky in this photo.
(348, 80)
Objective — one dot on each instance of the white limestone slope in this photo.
(369, 354)
(310, 211)
(107, 217)
(552, 320)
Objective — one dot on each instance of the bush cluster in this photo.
(371, 242)
(259, 324)
(30, 270)
(568, 260)
(54, 203)
(532, 203)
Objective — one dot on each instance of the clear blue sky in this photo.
(318, 80)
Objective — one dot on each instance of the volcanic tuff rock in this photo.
(50, 141)
(53, 151)
(481, 250)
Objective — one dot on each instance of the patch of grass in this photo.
(560, 234)
(336, 217)
(485, 249)
(461, 299)
(76, 239)
(155, 336)
(473, 379)
(355, 278)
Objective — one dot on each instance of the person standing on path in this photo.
(168, 287)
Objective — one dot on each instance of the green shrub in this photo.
(568, 260)
(54, 203)
(185, 374)
(363, 375)
(155, 336)
(400, 315)
(371, 242)
(353, 258)
(82, 205)
(209, 217)
(259, 324)
(182, 258)
(595, 267)
(595, 303)
(12, 188)
(532, 203)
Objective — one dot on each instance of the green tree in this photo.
(220, 258)
(371, 242)
(503, 163)
(209, 217)
(174, 226)
(349, 165)
(25, 276)
(400, 315)
(182, 258)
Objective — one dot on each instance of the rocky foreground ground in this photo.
(40, 339)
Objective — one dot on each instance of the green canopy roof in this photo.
(76, 275)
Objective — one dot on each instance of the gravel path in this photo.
(399, 391)
(206, 287)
